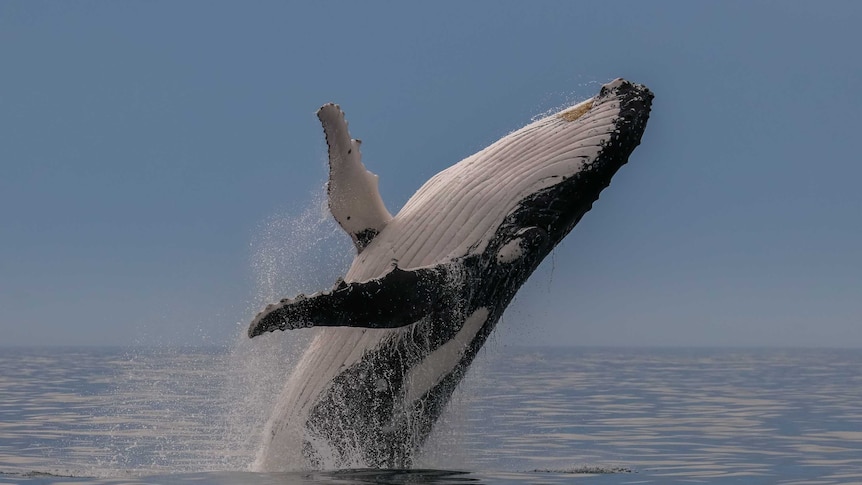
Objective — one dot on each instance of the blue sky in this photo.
(162, 167)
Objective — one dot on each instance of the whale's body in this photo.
(428, 285)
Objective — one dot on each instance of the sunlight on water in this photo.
(677, 413)
(776, 416)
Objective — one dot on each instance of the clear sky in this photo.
(161, 167)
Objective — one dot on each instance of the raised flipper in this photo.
(354, 197)
(398, 298)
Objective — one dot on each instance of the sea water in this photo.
(522, 415)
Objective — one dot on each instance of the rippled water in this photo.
(522, 416)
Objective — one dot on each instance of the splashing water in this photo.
(291, 254)
(295, 254)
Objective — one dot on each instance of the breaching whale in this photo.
(427, 286)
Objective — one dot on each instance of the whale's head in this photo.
(556, 167)
(610, 125)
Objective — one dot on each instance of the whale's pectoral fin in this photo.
(398, 298)
(354, 197)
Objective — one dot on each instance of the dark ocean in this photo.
(522, 415)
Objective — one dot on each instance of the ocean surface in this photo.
(523, 415)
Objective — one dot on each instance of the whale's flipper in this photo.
(398, 298)
(354, 197)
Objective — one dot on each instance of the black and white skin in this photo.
(394, 337)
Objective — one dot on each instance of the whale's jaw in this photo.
(428, 286)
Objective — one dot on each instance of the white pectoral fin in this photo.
(354, 197)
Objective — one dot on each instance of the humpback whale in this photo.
(396, 334)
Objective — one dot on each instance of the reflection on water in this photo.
(105, 411)
(785, 414)
(771, 416)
